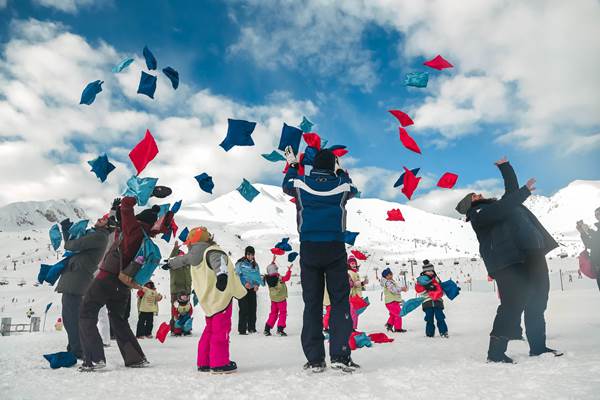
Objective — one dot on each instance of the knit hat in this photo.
(249, 250)
(386, 272)
(427, 266)
(324, 159)
(352, 259)
(465, 204)
(272, 269)
(149, 215)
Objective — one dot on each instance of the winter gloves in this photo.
(65, 225)
(290, 157)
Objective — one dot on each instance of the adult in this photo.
(513, 245)
(321, 206)
(247, 304)
(112, 287)
(78, 274)
(591, 240)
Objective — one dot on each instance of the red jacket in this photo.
(434, 295)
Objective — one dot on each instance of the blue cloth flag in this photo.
(362, 340)
(150, 59)
(176, 206)
(50, 273)
(411, 304)
(89, 93)
(400, 180)
(451, 289)
(78, 229)
(306, 125)
(292, 256)
(247, 191)
(164, 208)
(309, 155)
(55, 236)
(284, 245)
(274, 156)
(290, 136)
(151, 253)
(416, 79)
(122, 65)
(101, 167)
(239, 133)
(184, 234)
(147, 85)
(140, 188)
(350, 237)
(63, 359)
(205, 182)
(173, 76)
(167, 236)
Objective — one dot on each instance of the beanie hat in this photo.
(249, 250)
(386, 272)
(465, 204)
(324, 159)
(272, 269)
(427, 266)
(352, 259)
(149, 215)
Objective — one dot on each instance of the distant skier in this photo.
(591, 240)
(392, 297)
(30, 313)
(513, 245)
(278, 294)
(320, 202)
(429, 284)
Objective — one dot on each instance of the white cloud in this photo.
(46, 137)
(68, 6)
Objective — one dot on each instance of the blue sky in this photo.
(346, 63)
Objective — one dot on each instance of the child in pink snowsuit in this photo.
(392, 294)
(278, 294)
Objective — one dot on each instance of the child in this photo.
(356, 287)
(59, 324)
(148, 299)
(216, 284)
(278, 293)
(182, 315)
(392, 295)
(434, 305)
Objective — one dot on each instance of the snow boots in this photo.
(280, 331)
(390, 328)
(497, 349)
(315, 367)
(91, 367)
(556, 353)
(267, 331)
(344, 364)
(225, 369)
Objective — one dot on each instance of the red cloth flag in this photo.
(143, 152)
(312, 140)
(277, 251)
(410, 183)
(339, 152)
(448, 180)
(408, 142)
(395, 215)
(359, 255)
(438, 62)
(403, 117)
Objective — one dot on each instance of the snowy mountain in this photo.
(38, 214)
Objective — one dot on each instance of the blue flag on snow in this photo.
(274, 156)
(150, 59)
(140, 188)
(78, 229)
(306, 125)
(205, 182)
(147, 85)
(63, 359)
(247, 191)
(416, 79)
(400, 180)
(173, 76)
(292, 256)
(89, 93)
(184, 234)
(122, 65)
(350, 237)
(101, 167)
(55, 236)
(239, 133)
(290, 136)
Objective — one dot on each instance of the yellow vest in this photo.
(149, 302)
(184, 309)
(279, 292)
(389, 297)
(204, 281)
(355, 277)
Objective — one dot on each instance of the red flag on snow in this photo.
(402, 117)
(312, 140)
(408, 142)
(143, 152)
(162, 332)
(448, 180)
(410, 183)
(438, 62)
(359, 255)
(395, 215)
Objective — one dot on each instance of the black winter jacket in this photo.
(507, 231)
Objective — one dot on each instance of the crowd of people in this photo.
(97, 283)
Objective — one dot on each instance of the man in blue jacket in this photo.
(321, 215)
(513, 245)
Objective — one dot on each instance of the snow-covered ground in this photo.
(413, 367)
